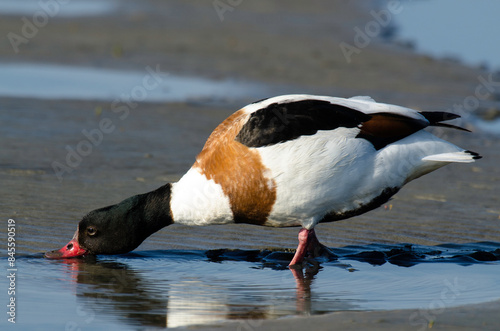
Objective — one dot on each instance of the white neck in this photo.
(199, 201)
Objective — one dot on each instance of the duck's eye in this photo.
(91, 231)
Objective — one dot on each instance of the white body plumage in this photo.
(338, 171)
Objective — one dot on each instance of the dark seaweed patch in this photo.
(403, 255)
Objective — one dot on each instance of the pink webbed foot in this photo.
(309, 245)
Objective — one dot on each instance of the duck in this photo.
(287, 161)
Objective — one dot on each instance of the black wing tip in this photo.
(436, 117)
(475, 155)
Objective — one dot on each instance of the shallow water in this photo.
(152, 84)
(176, 288)
(492, 127)
(459, 35)
(74, 8)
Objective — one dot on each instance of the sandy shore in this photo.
(293, 48)
(474, 317)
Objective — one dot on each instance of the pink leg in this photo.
(302, 248)
(307, 244)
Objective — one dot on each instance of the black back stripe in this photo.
(280, 122)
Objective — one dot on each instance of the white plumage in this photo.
(331, 170)
(316, 171)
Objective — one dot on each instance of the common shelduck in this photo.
(291, 160)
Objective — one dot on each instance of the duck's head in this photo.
(119, 228)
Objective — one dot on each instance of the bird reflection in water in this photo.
(107, 287)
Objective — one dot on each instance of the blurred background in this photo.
(104, 99)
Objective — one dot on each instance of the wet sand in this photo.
(157, 142)
(473, 317)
